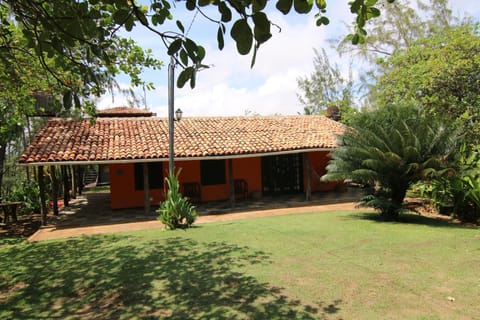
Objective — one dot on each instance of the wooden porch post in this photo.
(232, 183)
(43, 198)
(308, 174)
(66, 187)
(53, 174)
(146, 189)
(74, 182)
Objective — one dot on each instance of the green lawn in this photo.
(322, 265)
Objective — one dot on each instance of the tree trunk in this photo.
(3, 152)
(43, 199)
(398, 195)
(53, 174)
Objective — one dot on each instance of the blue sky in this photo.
(230, 86)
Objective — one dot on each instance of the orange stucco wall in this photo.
(122, 188)
(318, 162)
(124, 195)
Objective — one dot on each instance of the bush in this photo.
(460, 190)
(176, 211)
(29, 193)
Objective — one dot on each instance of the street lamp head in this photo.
(178, 114)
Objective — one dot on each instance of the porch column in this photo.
(53, 174)
(43, 198)
(308, 174)
(74, 182)
(66, 186)
(146, 189)
(232, 183)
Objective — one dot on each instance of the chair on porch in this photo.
(193, 191)
(241, 188)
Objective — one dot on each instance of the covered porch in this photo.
(92, 209)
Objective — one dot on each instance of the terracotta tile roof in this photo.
(120, 139)
(124, 112)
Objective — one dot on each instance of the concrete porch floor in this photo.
(91, 212)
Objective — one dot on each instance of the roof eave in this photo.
(177, 159)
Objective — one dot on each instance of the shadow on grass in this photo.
(410, 218)
(111, 277)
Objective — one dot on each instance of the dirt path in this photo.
(52, 232)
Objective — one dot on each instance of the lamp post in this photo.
(178, 114)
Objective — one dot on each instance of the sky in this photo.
(230, 87)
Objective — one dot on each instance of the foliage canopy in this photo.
(390, 149)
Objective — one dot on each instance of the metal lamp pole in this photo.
(171, 76)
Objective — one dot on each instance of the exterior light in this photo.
(178, 114)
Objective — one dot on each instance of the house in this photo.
(220, 157)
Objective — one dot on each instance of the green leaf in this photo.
(193, 78)
(254, 57)
(303, 6)
(184, 76)
(191, 48)
(191, 5)
(121, 15)
(203, 3)
(284, 6)
(321, 4)
(258, 5)
(220, 40)
(262, 27)
(372, 12)
(226, 13)
(355, 39)
(200, 53)
(242, 34)
(180, 26)
(174, 47)
(184, 57)
(322, 20)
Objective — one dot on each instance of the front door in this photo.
(282, 174)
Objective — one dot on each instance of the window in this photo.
(155, 175)
(212, 172)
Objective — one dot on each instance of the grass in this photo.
(321, 265)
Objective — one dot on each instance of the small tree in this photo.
(176, 211)
(390, 149)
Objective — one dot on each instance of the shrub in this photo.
(29, 193)
(176, 211)
(461, 190)
(392, 148)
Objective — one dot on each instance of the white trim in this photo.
(219, 157)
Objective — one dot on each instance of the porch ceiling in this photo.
(109, 140)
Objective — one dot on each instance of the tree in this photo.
(442, 73)
(399, 26)
(31, 73)
(53, 28)
(326, 87)
(391, 149)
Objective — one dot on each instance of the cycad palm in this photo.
(392, 149)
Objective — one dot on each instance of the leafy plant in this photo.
(176, 211)
(391, 149)
(29, 193)
(460, 190)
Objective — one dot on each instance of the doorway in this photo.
(282, 174)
